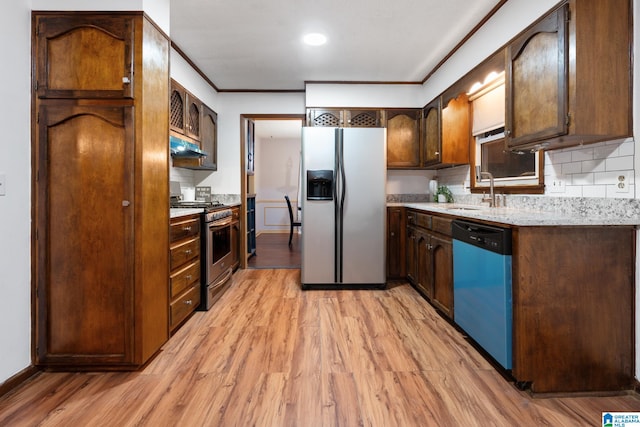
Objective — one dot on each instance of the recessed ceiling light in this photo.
(315, 39)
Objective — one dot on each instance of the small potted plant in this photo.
(443, 195)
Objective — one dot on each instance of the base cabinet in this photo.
(396, 246)
(251, 225)
(573, 310)
(430, 258)
(184, 278)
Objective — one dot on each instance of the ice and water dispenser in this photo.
(319, 185)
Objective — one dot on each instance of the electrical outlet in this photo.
(557, 185)
(622, 183)
(3, 185)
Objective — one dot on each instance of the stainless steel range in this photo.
(216, 254)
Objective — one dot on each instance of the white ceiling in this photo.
(257, 44)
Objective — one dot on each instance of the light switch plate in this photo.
(3, 184)
(557, 185)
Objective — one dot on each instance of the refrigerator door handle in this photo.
(340, 195)
(343, 187)
(336, 208)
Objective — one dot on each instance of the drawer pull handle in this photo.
(188, 277)
(187, 252)
(188, 302)
(186, 228)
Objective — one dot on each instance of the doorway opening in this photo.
(271, 146)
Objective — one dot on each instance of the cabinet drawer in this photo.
(185, 277)
(185, 305)
(441, 225)
(184, 252)
(183, 229)
(419, 219)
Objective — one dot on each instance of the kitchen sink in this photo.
(463, 208)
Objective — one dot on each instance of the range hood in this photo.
(181, 148)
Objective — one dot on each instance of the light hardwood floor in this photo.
(268, 354)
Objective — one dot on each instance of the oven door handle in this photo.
(221, 223)
(222, 280)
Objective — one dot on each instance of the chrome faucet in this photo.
(492, 196)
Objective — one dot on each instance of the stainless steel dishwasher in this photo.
(482, 286)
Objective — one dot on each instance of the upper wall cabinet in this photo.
(209, 137)
(85, 56)
(185, 111)
(403, 138)
(568, 77)
(194, 122)
(333, 117)
(446, 132)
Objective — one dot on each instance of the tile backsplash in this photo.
(186, 177)
(599, 170)
(602, 170)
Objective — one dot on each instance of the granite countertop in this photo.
(178, 212)
(520, 217)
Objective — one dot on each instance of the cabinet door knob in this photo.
(126, 203)
(126, 80)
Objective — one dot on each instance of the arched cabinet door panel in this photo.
(538, 90)
(86, 216)
(84, 56)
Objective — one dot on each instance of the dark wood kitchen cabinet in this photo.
(568, 77)
(403, 138)
(446, 132)
(84, 55)
(100, 230)
(251, 147)
(573, 308)
(251, 225)
(209, 138)
(194, 122)
(334, 117)
(396, 243)
(184, 276)
(185, 111)
(430, 258)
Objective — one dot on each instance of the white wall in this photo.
(15, 207)
(227, 179)
(277, 173)
(363, 95)
(512, 18)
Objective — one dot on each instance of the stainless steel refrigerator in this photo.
(344, 175)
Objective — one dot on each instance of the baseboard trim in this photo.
(18, 379)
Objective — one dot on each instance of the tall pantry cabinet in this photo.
(100, 193)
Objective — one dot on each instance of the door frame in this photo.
(244, 119)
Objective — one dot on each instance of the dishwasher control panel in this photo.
(494, 239)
